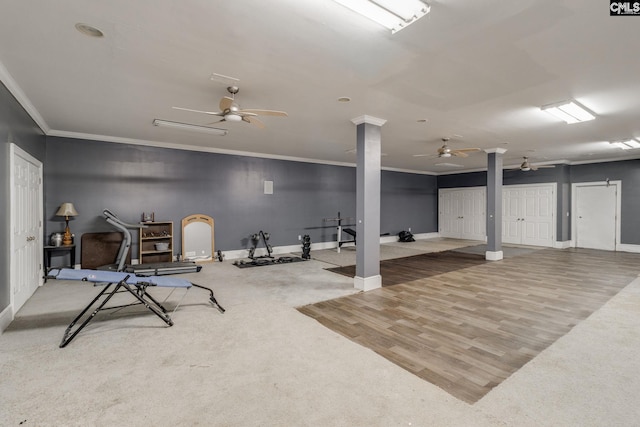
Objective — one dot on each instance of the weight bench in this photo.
(121, 282)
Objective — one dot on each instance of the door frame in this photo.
(14, 151)
(574, 203)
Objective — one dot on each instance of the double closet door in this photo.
(528, 214)
(462, 213)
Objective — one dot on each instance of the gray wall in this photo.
(408, 201)
(15, 126)
(131, 179)
(564, 175)
(629, 173)
(560, 174)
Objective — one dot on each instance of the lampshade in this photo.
(67, 209)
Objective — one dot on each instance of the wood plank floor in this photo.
(402, 270)
(468, 329)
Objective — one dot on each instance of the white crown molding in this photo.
(22, 98)
(119, 140)
(368, 119)
(614, 159)
(495, 150)
(408, 171)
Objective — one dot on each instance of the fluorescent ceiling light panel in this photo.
(393, 14)
(627, 145)
(187, 126)
(569, 111)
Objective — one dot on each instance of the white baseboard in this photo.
(422, 236)
(367, 283)
(6, 317)
(389, 239)
(276, 250)
(562, 245)
(493, 255)
(623, 247)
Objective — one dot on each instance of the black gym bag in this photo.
(405, 236)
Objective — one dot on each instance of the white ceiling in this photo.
(477, 71)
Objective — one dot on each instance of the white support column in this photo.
(368, 203)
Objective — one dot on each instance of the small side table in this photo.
(49, 250)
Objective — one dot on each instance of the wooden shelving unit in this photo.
(156, 233)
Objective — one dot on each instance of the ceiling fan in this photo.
(526, 166)
(230, 111)
(446, 151)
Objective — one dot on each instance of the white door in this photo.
(473, 214)
(538, 219)
(528, 215)
(26, 226)
(595, 216)
(511, 217)
(461, 213)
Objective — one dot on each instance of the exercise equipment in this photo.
(268, 259)
(306, 247)
(150, 269)
(255, 239)
(340, 228)
(121, 282)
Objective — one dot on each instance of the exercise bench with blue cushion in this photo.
(116, 282)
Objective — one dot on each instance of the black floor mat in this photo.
(260, 262)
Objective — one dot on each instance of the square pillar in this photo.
(368, 143)
(494, 204)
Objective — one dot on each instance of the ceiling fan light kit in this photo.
(230, 111)
(187, 126)
(392, 14)
(231, 117)
(445, 151)
(569, 111)
(526, 166)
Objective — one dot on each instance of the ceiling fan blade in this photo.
(225, 103)
(213, 123)
(254, 121)
(421, 155)
(545, 166)
(459, 153)
(264, 112)
(467, 150)
(211, 113)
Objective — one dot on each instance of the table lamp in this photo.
(66, 210)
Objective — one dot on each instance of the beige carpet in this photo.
(264, 364)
